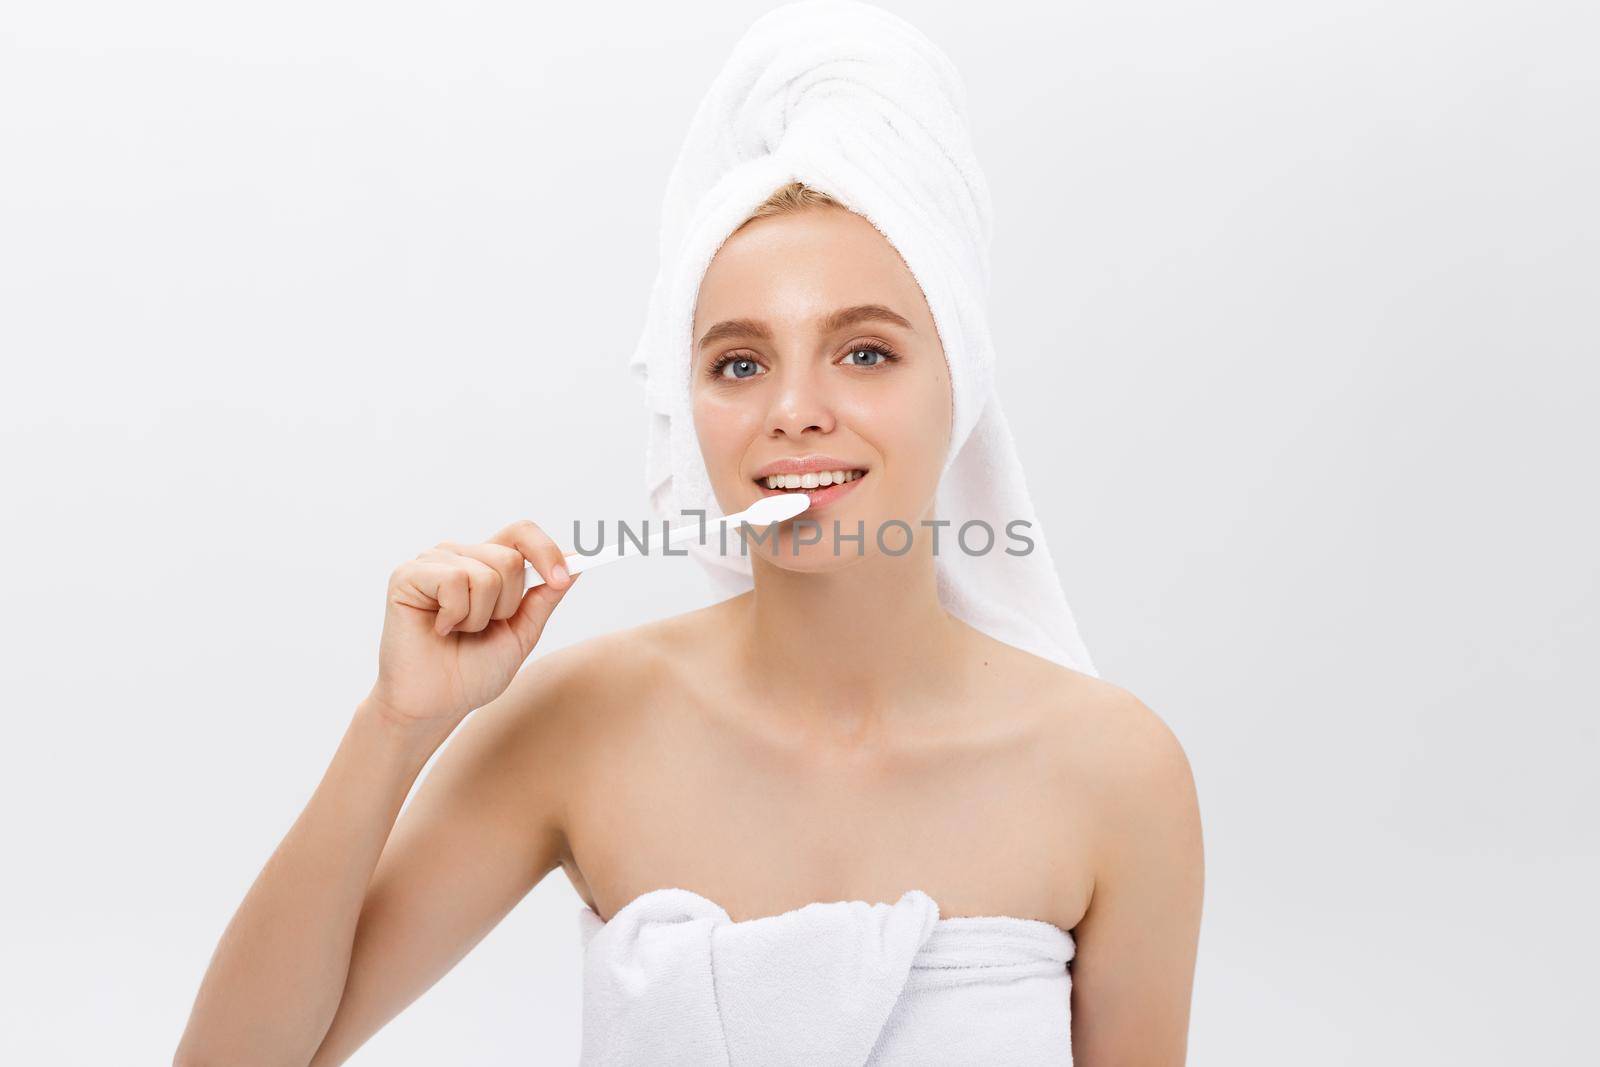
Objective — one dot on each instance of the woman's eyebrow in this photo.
(837, 320)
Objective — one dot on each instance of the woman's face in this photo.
(812, 338)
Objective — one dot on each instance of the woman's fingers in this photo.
(535, 545)
(507, 563)
(465, 589)
(483, 593)
(534, 612)
(447, 584)
(474, 584)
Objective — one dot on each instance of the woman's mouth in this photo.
(823, 487)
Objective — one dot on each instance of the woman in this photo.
(831, 761)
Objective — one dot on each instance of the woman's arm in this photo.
(346, 925)
(1133, 973)
(335, 939)
(484, 828)
(276, 975)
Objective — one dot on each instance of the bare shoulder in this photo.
(1108, 730)
(1095, 729)
(1113, 746)
(598, 697)
(1128, 783)
(569, 692)
(1103, 746)
(1111, 760)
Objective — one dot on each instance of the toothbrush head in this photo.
(770, 509)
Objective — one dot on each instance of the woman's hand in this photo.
(458, 625)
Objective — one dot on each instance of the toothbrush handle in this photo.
(576, 562)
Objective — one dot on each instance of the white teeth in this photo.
(811, 480)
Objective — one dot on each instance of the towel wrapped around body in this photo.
(672, 980)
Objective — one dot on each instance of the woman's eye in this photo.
(870, 352)
(740, 368)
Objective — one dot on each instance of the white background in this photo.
(1296, 306)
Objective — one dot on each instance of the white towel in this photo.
(854, 101)
(672, 980)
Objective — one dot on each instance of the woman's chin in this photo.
(809, 559)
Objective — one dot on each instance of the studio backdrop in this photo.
(1297, 306)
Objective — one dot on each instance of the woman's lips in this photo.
(822, 495)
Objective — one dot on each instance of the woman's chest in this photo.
(980, 821)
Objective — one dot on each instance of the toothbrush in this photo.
(769, 509)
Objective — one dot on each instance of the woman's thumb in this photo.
(528, 621)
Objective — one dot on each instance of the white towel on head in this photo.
(855, 102)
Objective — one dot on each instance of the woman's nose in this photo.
(799, 403)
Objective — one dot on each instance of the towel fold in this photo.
(671, 979)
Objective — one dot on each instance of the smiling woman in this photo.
(873, 807)
(865, 825)
(816, 342)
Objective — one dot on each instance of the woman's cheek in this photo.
(916, 435)
(724, 434)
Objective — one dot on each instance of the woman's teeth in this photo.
(811, 480)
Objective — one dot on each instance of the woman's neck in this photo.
(856, 646)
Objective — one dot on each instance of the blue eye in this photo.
(745, 367)
(873, 348)
(738, 363)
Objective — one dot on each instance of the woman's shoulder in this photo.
(613, 655)
(1106, 745)
(1116, 758)
(608, 675)
(1091, 722)
(1105, 726)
